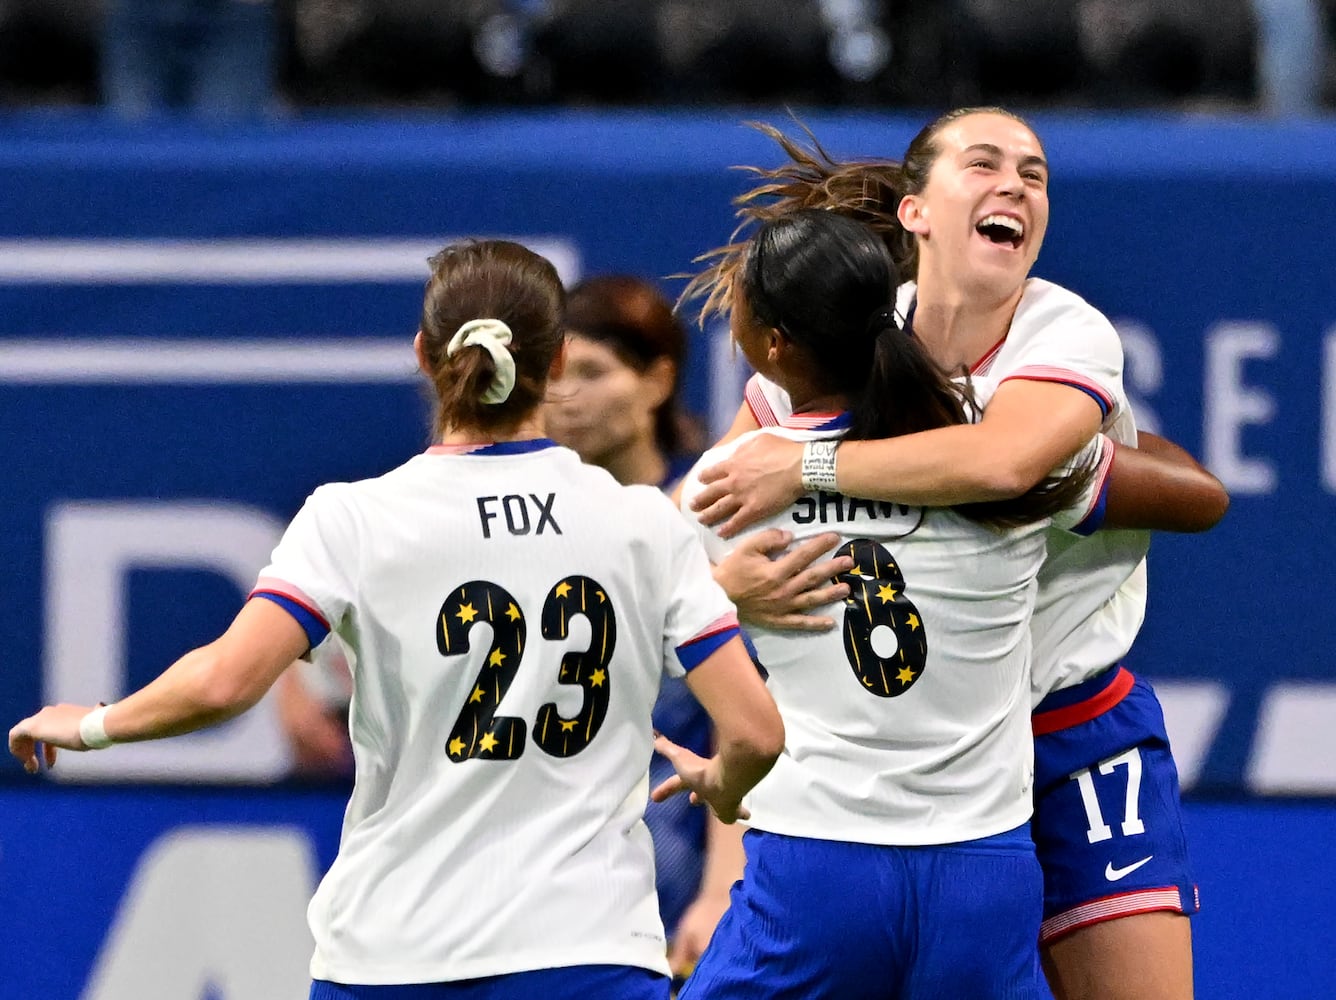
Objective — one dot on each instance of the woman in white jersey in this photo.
(889, 854)
(966, 213)
(510, 611)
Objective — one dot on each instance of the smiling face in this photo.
(983, 211)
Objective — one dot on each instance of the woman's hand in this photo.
(780, 591)
(54, 726)
(702, 777)
(760, 478)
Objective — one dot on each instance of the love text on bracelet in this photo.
(818, 465)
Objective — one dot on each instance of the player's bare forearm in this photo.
(188, 695)
(740, 765)
(1159, 486)
(749, 732)
(213, 683)
(1028, 429)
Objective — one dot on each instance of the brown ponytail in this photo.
(490, 279)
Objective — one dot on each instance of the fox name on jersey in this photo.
(516, 508)
(507, 649)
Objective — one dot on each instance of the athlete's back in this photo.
(908, 724)
(505, 763)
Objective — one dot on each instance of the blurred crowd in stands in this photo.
(249, 58)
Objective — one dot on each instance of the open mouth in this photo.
(1002, 230)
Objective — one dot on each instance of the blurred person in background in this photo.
(501, 856)
(208, 58)
(617, 405)
(312, 702)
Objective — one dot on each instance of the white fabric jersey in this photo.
(910, 723)
(1092, 589)
(511, 612)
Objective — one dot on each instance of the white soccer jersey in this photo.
(511, 611)
(1092, 589)
(910, 723)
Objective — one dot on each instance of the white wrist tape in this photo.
(93, 729)
(818, 466)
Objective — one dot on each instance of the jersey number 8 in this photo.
(877, 601)
(479, 731)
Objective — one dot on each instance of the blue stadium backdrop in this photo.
(198, 326)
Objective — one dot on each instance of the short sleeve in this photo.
(700, 617)
(1085, 516)
(769, 404)
(312, 571)
(1059, 337)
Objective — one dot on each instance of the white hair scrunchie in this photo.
(492, 336)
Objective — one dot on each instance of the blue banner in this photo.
(200, 893)
(197, 326)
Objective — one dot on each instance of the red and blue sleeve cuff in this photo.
(760, 407)
(700, 648)
(297, 604)
(1065, 376)
(1094, 519)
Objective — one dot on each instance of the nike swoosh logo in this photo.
(1114, 874)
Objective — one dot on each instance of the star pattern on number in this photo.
(597, 678)
(513, 613)
(488, 743)
(602, 597)
(496, 659)
(466, 613)
(476, 696)
(879, 598)
(456, 747)
(563, 589)
(569, 726)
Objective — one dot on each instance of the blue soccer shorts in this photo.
(577, 982)
(815, 919)
(1108, 822)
